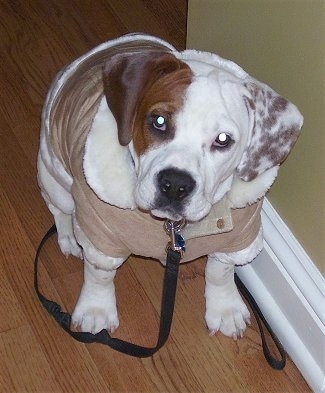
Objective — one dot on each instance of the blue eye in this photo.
(159, 122)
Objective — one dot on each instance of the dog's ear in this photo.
(276, 126)
(126, 76)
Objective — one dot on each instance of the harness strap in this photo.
(167, 310)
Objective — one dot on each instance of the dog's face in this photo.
(189, 132)
(187, 163)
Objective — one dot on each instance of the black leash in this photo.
(103, 337)
(275, 363)
(167, 310)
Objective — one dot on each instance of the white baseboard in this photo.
(291, 293)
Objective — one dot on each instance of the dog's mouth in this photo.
(167, 214)
(177, 213)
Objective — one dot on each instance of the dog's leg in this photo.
(60, 203)
(96, 307)
(225, 309)
(66, 237)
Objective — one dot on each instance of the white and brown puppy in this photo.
(135, 132)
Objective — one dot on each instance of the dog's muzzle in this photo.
(174, 186)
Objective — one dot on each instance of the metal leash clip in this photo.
(177, 241)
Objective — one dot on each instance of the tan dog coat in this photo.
(120, 232)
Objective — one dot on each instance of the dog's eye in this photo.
(159, 122)
(222, 140)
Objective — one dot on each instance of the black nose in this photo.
(175, 184)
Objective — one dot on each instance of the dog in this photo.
(135, 132)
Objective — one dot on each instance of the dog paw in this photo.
(69, 246)
(229, 315)
(94, 319)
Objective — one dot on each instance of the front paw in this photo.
(229, 315)
(69, 246)
(93, 316)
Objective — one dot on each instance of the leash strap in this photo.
(103, 337)
(167, 310)
(277, 364)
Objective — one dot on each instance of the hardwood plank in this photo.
(162, 18)
(25, 362)
(18, 180)
(66, 356)
(9, 304)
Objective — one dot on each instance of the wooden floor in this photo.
(37, 38)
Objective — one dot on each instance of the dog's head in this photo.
(192, 128)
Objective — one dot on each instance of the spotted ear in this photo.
(277, 123)
(126, 76)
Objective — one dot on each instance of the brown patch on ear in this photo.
(127, 77)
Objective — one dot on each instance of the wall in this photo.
(280, 42)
